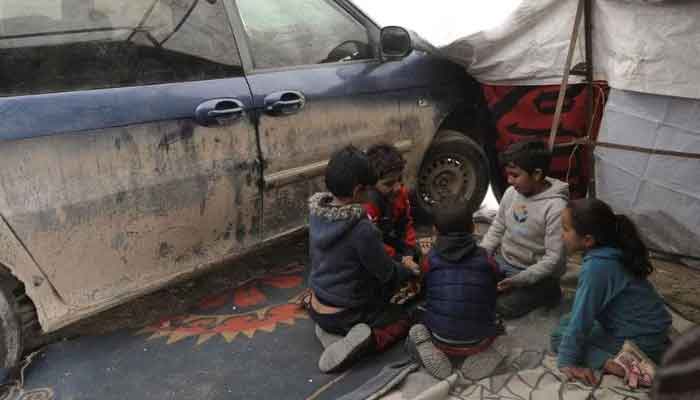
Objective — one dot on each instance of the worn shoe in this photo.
(639, 369)
(338, 354)
(327, 339)
(421, 345)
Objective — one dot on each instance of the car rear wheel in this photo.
(455, 167)
(18, 320)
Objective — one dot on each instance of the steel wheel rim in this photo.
(448, 176)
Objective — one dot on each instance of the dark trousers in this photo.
(389, 323)
(522, 300)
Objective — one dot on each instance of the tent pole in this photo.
(565, 80)
(588, 21)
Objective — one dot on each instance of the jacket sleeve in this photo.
(591, 297)
(410, 237)
(374, 258)
(493, 237)
(497, 273)
(554, 250)
(425, 266)
(372, 212)
(390, 251)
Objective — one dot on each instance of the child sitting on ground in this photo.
(389, 207)
(614, 300)
(352, 278)
(460, 303)
(528, 230)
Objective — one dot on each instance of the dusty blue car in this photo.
(145, 140)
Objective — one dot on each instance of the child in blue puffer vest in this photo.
(460, 295)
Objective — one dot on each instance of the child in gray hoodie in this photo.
(525, 236)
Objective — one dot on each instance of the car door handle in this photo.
(219, 111)
(229, 112)
(284, 103)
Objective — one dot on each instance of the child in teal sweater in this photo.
(614, 300)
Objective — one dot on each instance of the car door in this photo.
(318, 84)
(128, 153)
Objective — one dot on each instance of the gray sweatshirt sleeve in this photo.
(493, 237)
(555, 252)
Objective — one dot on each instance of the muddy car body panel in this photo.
(120, 175)
(360, 100)
(359, 104)
(115, 191)
(107, 212)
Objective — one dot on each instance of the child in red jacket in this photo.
(389, 207)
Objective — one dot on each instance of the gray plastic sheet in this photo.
(660, 193)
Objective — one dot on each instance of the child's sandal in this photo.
(639, 369)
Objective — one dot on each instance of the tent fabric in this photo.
(660, 193)
(641, 46)
(647, 51)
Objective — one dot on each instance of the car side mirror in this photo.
(395, 43)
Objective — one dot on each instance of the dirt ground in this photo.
(677, 283)
(680, 287)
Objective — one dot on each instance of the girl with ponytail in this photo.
(614, 301)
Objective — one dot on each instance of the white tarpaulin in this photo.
(649, 53)
(661, 193)
(642, 46)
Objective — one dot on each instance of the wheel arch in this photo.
(16, 262)
(474, 122)
(463, 122)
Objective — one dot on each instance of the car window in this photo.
(65, 45)
(285, 33)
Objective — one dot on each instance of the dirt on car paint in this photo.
(179, 298)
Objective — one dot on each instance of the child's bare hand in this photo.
(505, 285)
(411, 265)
